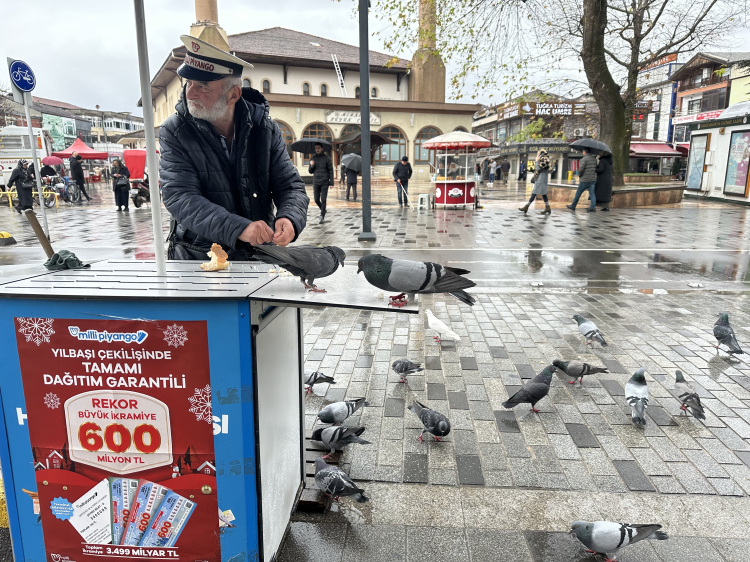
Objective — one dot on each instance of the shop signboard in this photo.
(121, 433)
(347, 117)
(543, 109)
(705, 116)
(737, 164)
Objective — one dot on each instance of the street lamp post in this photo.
(364, 110)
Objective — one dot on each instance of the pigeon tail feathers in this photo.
(465, 297)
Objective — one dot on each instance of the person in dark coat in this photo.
(224, 166)
(23, 178)
(76, 172)
(401, 174)
(351, 182)
(47, 171)
(321, 167)
(121, 185)
(603, 188)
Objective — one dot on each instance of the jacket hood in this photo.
(255, 106)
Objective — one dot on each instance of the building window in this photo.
(357, 92)
(247, 83)
(462, 129)
(373, 92)
(682, 133)
(288, 136)
(422, 155)
(305, 89)
(714, 100)
(266, 86)
(501, 133)
(349, 129)
(324, 90)
(392, 153)
(317, 131)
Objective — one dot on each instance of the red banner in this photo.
(121, 430)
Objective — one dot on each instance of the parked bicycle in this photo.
(67, 190)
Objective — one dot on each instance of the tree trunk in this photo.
(615, 129)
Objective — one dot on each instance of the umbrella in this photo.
(592, 145)
(52, 161)
(352, 161)
(307, 145)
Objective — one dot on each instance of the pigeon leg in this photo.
(573, 381)
(397, 303)
(402, 379)
(535, 410)
(437, 338)
(437, 438)
(308, 389)
(314, 289)
(328, 456)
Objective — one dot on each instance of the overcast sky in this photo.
(84, 53)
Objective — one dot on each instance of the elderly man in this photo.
(224, 164)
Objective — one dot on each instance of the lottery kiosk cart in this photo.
(456, 162)
(156, 417)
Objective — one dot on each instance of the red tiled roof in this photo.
(55, 103)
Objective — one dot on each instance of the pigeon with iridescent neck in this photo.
(688, 397)
(603, 537)
(577, 369)
(589, 330)
(724, 335)
(636, 394)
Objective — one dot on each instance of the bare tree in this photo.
(511, 47)
(5, 104)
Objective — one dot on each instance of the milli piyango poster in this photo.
(121, 430)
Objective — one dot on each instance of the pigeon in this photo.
(315, 377)
(306, 262)
(577, 369)
(411, 277)
(440, 327)
(589, 330)
(404, 367)
(602, 537)
(724, 334)
(337, 412)
(533, 391)
(339, 437)
(335, 482)
(433, 422)
(688, 397)
(636, 394)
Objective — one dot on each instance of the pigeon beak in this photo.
(359, 270)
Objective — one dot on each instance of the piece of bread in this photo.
(218, 259)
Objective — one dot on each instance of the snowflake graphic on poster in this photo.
(52, 400)
(36, 330)
(175, 335)
(201, 404)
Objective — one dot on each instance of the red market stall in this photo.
(86, 152)
(456, 160)
(135, 162)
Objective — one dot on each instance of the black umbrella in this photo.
(591, 145)
(307, 145)
(352, 162)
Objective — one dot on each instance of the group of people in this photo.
(502, 176)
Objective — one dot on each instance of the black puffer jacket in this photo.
(212, 202)
(603, 187)
(323, 170)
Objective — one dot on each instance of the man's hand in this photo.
(257, 233)
(284, 232)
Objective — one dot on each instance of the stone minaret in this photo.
(427, 76)
(206, 26)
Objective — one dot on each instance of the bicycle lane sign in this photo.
(22, 76)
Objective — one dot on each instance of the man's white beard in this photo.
(212, 114)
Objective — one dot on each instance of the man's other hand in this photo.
(257, 233)
(284, 232)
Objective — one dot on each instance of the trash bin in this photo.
(156, 418)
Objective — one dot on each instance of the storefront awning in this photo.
(683, 147)
(652, 149)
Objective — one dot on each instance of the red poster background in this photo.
(58, 476)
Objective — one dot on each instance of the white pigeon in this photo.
(440, 327)
(636, 394)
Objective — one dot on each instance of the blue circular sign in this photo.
(22, 76)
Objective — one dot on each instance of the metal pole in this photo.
(37, 163)
(364, 108)
(148, 123)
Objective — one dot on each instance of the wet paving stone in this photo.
(458, 401)
(526, 371)
(469, 470)
(416, 468)
(432, 363)
(613, 387)
(554, 547)
(394, 408)
(316, 355)
(498, 353)
(469, 364)
(613, 366)
(635, 479)
(398, 351)
(582, 436)
(660, 416)
(436, 391)
(506, 421)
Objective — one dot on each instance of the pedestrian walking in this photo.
(485, 169)
(321, 168)
(521, 169)
(76, 172)
(586, 181)
(504, 170)
(401, 174)
(351, 183)
(603, 189)
(541, 173)
(342, 176)
(23, 178)
(493, 169)
(121, 185)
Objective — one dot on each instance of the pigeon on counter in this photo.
(440, 327)
(724, 334)
(533, 391)
(338, 437)
(337, 412)
(577, 369)
(408, 277)
(636, 394)
(602, 537)
(306, 262)
(589, 330)
(336, 483)
(404, 367)
(688, 397)
(434, 422)
(315, 377)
